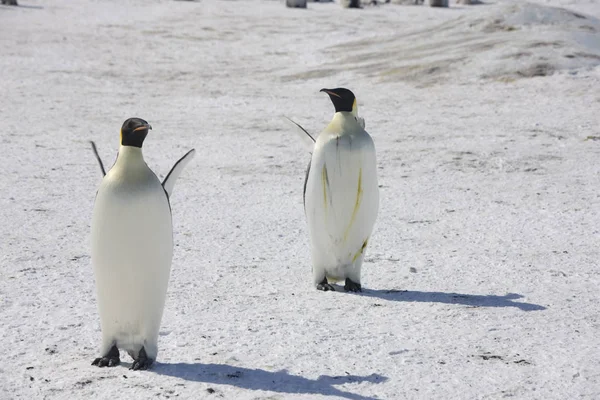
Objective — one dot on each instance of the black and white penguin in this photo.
(341, 195)
(132, 248)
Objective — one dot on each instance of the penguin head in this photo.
(343, 100)
(134, 131)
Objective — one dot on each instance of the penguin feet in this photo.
(142, 362)
(325, 286)
(351, 286)
(111, 359)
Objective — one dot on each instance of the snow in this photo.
(481, 279)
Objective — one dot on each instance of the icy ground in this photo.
(482, 278)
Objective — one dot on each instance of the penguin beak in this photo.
(145, 126)
(331, 93)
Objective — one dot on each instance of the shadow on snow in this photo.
(474, 300)
(258, 379)
(22, 6)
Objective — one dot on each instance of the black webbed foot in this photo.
(351, 286)
(111, 359)
(142, 362)
(325, 286)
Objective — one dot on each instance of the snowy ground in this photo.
(481, 278)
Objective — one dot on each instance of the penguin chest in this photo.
(131, 226)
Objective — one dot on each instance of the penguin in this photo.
(350, 3)
(132, 249)
(341, 195)
(295, 3)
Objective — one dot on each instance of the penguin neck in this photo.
(343, 121)
(130, 155)
(345, 115)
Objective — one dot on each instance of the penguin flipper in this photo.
(361, 122)
(169, 181)
(307, 139)
(95, 150)
(305, 183)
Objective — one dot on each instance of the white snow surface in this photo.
(481, 278)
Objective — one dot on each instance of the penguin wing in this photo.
(307, 138)
(361, 122)
(305, 182)
(95, 150)
(169, 181)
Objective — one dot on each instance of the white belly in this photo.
(132, 248)
(342, 200)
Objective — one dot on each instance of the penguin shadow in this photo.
(258, 379)
(473, 300)
(20, 6)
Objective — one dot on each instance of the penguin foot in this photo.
(325, 286)
(351, 286)
(142, 362)
(111, 359)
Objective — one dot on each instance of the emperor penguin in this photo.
(132, 248)
(341, 195)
